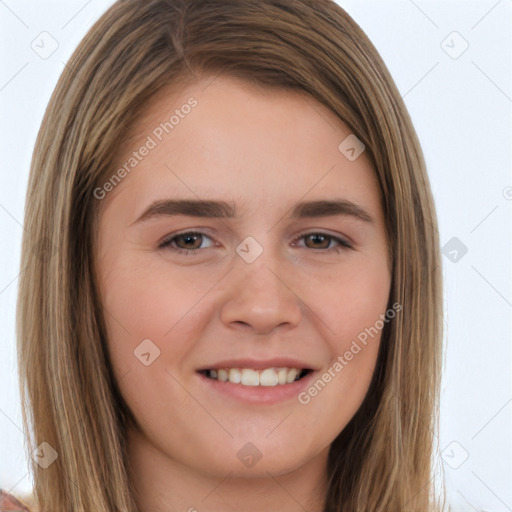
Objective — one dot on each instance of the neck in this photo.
(162, 484)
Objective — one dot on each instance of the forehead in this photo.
(256, 145)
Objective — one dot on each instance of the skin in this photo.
(264, 150)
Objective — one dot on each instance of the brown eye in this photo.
(189, 240)
(318, 241)
(323, 241)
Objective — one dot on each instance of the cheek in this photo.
(144, 300)
(351, 300)
(152, 318)
(351, 308)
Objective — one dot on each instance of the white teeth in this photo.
(250, 377)
(281, 375)
(291, 375)
(235, 375)
(268, 377)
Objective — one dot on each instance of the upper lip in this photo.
(259, 364)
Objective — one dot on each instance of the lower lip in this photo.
(259, 394)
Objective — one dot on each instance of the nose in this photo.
(260, 299)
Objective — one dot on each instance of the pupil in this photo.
(318, 238)
(188, 239)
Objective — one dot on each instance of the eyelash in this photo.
(166, 242)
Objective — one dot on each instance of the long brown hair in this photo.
(383, 459)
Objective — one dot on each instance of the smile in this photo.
(250, 377)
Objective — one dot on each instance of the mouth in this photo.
(265, 377)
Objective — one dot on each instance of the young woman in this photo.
(236, 302)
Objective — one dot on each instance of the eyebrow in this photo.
(222, 209)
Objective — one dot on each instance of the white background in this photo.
(461, 108)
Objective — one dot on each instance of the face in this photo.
(241, 255)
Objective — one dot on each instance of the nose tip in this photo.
(259, 299)
(261, 322)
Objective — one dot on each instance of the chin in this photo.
(260, 457)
